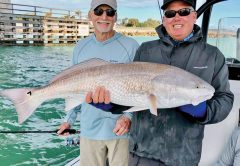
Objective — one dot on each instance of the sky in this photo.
(140, 9)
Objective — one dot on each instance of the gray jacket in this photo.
(174, 137)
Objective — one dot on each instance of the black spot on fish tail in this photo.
(30, 93)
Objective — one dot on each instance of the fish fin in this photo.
(134, 109)
(23, 100)
(72, 102)
(153, 104)
(78, 67)
(194, 102)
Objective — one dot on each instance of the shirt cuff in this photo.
(129, 115)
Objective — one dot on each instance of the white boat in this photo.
(74, 162)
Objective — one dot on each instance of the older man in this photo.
(175, 136)
(103, 133)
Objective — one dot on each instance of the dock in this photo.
(33, 25)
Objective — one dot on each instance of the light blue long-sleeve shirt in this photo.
(231, 153)
(95, 123)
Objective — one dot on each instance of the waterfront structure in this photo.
(5, 6)
(33, 25)
(64, 30)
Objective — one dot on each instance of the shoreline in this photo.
(138, 31)
(131, 32)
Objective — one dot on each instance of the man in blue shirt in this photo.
(103, 133)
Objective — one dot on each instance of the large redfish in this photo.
(141, 85)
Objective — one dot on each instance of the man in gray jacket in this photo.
(174, 137)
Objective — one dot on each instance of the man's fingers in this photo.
(101, 95)
(107, 97)
(63, 127)
(96, 95)
(59, 132)
(117, 127)
(122, 126)
(64, 134)
(88, 97)
(122, 131)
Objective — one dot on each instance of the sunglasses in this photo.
(109, 12)
(181, 12)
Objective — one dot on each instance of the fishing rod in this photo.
(70, 131)
(160, 11)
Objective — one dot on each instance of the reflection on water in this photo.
(32, 67)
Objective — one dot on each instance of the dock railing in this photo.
(10, 8)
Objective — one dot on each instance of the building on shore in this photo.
(5, 6)
(33, 25)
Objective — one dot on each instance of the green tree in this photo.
(133, 22)
(151, 23)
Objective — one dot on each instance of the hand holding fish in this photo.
(101, 95)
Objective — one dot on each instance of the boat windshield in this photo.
(224, 30)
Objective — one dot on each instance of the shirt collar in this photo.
(114, 37)
(176, 42)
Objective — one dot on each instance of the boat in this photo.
(74, 162)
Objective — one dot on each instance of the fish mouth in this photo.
(201, 99)
(205, 95)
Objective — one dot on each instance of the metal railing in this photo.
(10, 8)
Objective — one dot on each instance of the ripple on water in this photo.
(32, 67)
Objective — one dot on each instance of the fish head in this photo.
(202, 91)
(196, 90)
(179, 87)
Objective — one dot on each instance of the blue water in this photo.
(32, 67)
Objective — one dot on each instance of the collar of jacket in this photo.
(162, 33)
(176, 43)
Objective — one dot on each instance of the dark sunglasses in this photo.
(109, 12)
(181, 12)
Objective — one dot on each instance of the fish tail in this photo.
(23, 100)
